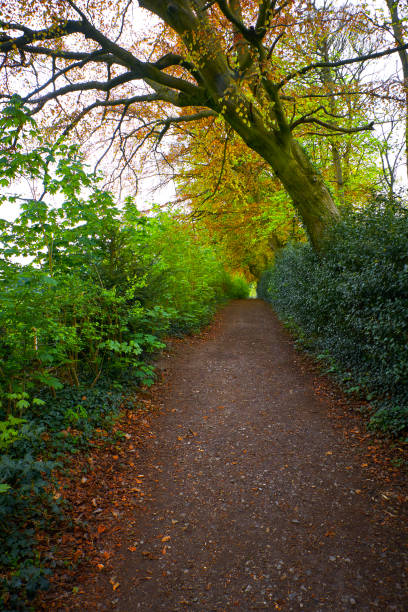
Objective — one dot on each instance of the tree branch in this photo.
(125, 102)
(331, 126)
(248, 33)
(353, 60)
(95, 56)
(84, 86)
(141, 70)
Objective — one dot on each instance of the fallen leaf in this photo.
(132, 548)
(165, 538)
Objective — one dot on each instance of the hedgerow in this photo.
(349, 304)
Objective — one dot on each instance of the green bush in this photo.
(79, 323)
(236, 287)
(351, 302)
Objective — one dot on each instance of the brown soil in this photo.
(254, 487)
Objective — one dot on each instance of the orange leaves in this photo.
(165, 538)
(106, 503)
(149, 555)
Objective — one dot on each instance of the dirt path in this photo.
(252, 498)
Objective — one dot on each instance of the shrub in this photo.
(351, 301)
(236, 287)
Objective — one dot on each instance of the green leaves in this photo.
(10, 431)
(351, 303)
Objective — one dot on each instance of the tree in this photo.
(236, 198)
(219, 58)
(399, 30)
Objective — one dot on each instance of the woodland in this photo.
(159, 158)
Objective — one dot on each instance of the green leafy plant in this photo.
(9, 431)
(350, 303)
(80, 323)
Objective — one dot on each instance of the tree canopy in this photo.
(271, 71)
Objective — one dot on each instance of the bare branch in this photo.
(77, 10)
(125, 102)
(84, 86)
(353, 60)
(99, 56)
(141, 70)
(331, 126)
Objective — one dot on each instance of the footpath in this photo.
(253, 487)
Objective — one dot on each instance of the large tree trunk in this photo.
(259, 117)
(304, 184)
(307, 189)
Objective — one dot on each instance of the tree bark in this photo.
(304, 184)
